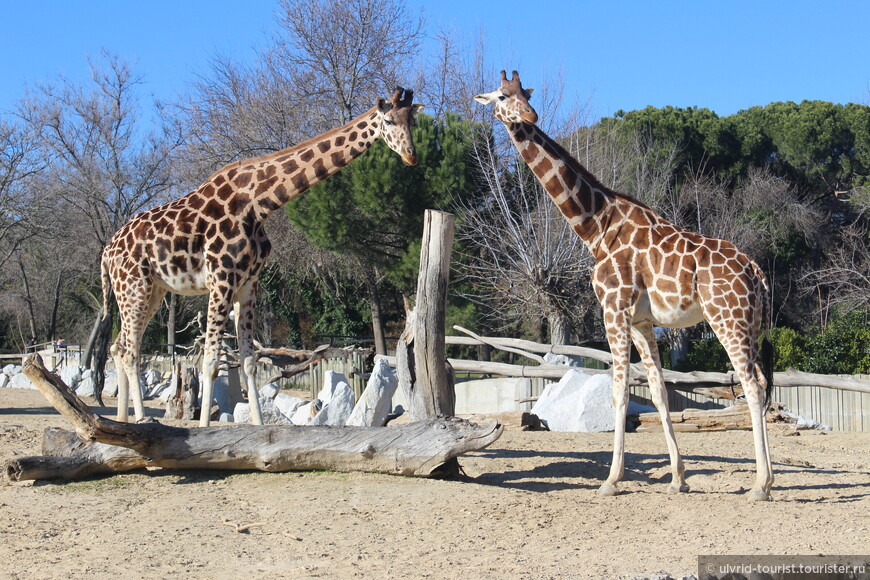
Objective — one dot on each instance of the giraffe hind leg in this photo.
(645, 342)
(745, 359)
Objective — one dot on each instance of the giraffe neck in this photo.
(578, 195)
(264, 184)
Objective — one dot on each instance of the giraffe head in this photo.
(397, 116)
(511, 101)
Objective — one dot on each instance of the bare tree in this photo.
(845, 272)
(344, 53)
(104, 168)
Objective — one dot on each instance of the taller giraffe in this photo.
(651, 272)
(213, 241)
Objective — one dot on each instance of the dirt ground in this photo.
(529, 511)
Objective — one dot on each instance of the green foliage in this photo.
(789, 348)
(843, 348)
(705, 355)
(373, 209)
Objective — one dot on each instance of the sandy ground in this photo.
(529, 510)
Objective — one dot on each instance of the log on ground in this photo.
(413, 449)
(735, 417)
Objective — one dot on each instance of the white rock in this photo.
(11, 370)
(269, 391)
(19, 381)
(71, 375)
(287, 404)
(242, 413)
(331, 379)
(86, 387)
(337, 411)
(110, 386)
(153, 377)
(578, 402)
(4, 380)
(304, 413)
(564, 360)
(376, 400)
(269, 412)
(226, 418)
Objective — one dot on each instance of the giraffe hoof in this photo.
(682, 488)
(755, 495)
(608, 489)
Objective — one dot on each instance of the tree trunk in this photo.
(101, 353)
(560, 328)
(58, 288)
(436, 396)
(92, 339)
(31, 318)
(170, 323)
(419, 449)
(377, 319)
(679, 341)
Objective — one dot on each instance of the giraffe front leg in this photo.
(644, 340)
(245, 309)
(618, 337)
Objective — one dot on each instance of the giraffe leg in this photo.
(753, 388)
(618, 338)
(216, 321)
(126, 350)
(645, 342)
(743, 353)
(245, 307)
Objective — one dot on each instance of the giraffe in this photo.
(650, 272)
(212, 241)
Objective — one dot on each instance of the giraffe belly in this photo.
(188, 284)
(662, 313)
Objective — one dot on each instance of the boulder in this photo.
(4, 380)
(226, 418)
(376, 401)
(331, 380)
(85, 387)
(564, 360)
(11, 370)
(19, 381)
(305, 413)
(287, 404)
(337, 411)
(268, 411)
(578, 402)
(71, 375)
(110, 386)
(153, 377)
(269, 391)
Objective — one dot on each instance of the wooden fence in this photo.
(839, 409)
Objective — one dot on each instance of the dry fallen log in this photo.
(735, 417)
(417, 449)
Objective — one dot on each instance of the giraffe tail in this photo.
(767, 369)
(107, 287)
(767, 350)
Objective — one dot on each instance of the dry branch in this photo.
(418, 448)
(720, 385)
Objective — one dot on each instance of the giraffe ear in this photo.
(486, 98)
(529, 92)
(384, 106)
(416, 108)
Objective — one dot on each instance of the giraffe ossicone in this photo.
(213, 241)
(651, 272)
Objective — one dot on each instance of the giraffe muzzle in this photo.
(410, 158)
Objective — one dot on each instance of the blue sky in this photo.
(724, 55)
